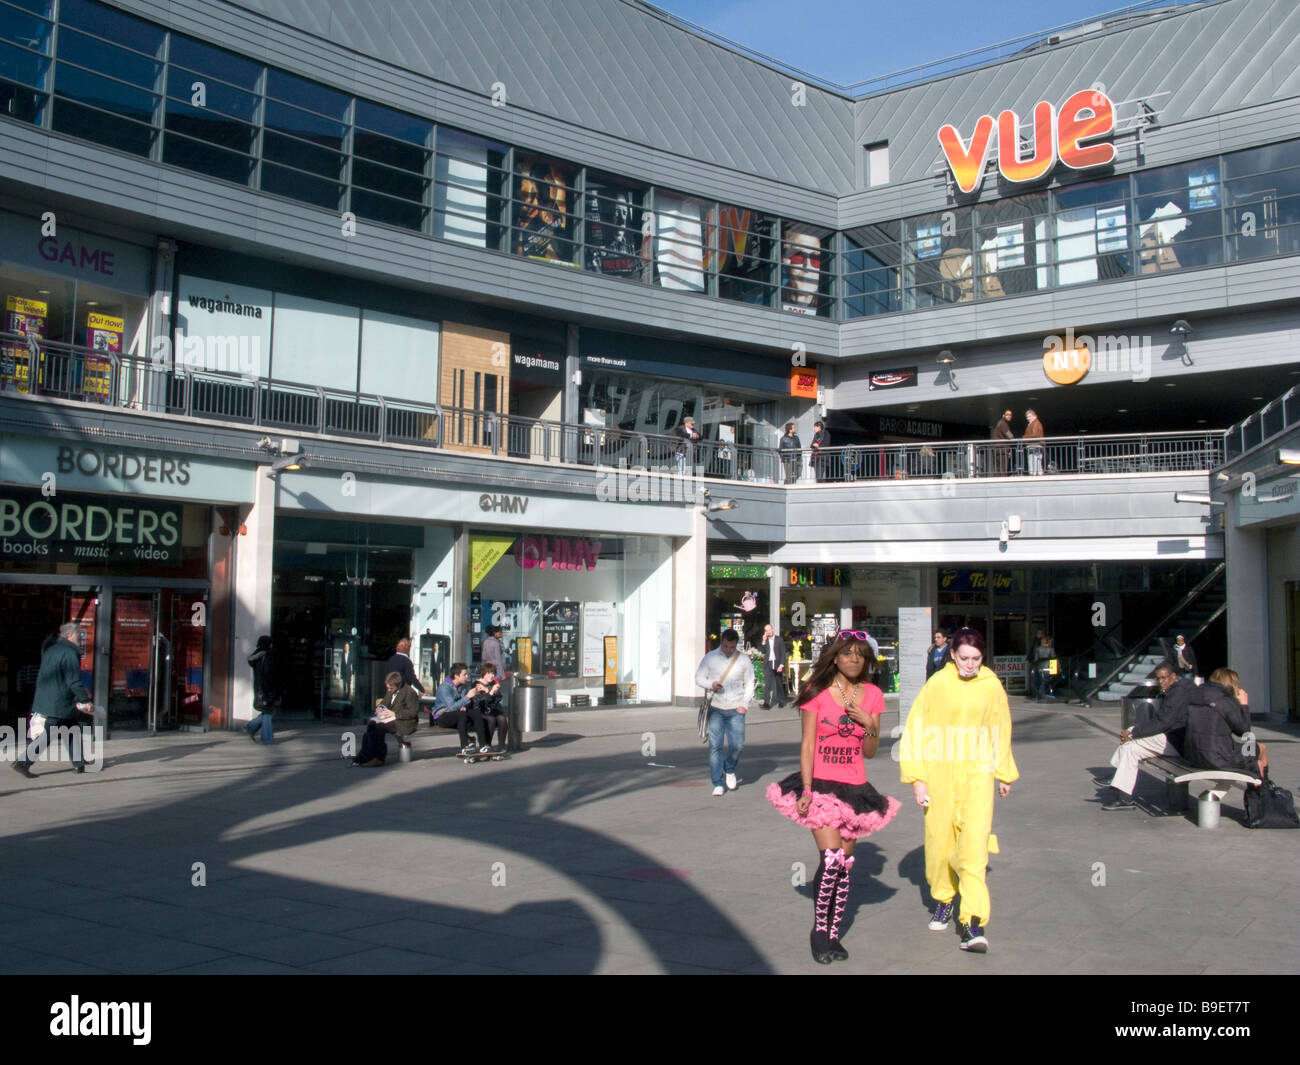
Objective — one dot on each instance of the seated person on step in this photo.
(1162, 734)
(452, 708)
(486, 698)
(1216, 712)
(397, 712)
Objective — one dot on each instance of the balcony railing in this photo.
(1274, 418)
(32, 367)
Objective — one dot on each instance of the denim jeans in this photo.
(262, 723)
(732, 723)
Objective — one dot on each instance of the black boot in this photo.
(837, 950)
(823, 903)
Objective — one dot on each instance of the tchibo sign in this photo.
(1058, 136)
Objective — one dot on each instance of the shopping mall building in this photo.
(339, 321)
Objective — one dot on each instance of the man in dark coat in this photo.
(1002, 452)
(1163, 733)
(821, 439)
(939, 654)
(397, 712)
(400, 663)
(774, 690)
(60, 696)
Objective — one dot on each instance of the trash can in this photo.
(527, 706)
(1136, 710)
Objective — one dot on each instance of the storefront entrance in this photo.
(144, 650)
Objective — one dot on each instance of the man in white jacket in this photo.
(729, 676)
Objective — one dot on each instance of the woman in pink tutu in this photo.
(830, 794)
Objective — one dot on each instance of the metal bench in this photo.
(1208, 785)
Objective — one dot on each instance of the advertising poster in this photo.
(560, 639)
(21, 316)
(598, 621)
(102, 334)
(613, 232)
(801, 271)
(915, 634)
(484, 553)
(543, 224)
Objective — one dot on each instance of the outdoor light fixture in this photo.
(721, 504)
(289, 462)
(947, 360)
(1288, 456)
(1196, 497)
(1182, 329)
(1013, 524)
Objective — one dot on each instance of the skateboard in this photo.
(494, 756)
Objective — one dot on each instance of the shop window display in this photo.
(614, 241)
(939, 266)
(543, 210)
(745, 247)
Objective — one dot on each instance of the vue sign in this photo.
(1084, 117)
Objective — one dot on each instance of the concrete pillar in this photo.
(690, 589)
(253, 579)
(1246, 551)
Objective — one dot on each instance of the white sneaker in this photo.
(719, 791)
(731, 781)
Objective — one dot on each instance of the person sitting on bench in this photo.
(1216, 712)
(452, 708)
(1163, 733)
(398, 712)
(486, 698)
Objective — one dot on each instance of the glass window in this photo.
(115, 96)
(399, 357)
(315, 343)
(96, 55)
(806, 269)
(301, 155)
(217, 97)
(387, 180)
(26, 30)
(44, 8)
(469, 178)
(386, 209)
(205, 159)
(206, 125)
(395, 124)
(871, 271)
(679, 242)
(298, 186)
(1179, 216)
(939, 266)
(1092, 232)
(307, 126)
(543, 215)
(112, 26)
(389, 152)
(614, 216)
(215, 63)
(1264, 206)
(1013, 247)
(20, 102)
(17, 65)
(745, 257)
(306, 94)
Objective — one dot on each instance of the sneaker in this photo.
(731, 781)
(485, 749)
(972, 937)
(1102, 782)
(252, 736)
(719, 791)
(942, 917)
(469, 748)
(23, 768)
(1120, 802)
(374, 763)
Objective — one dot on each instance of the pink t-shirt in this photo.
(838, 754)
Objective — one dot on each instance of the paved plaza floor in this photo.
(599, 849)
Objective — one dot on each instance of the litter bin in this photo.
(527, 707)
(1136, 710)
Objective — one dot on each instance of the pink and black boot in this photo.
(824, 895)
(845, 866)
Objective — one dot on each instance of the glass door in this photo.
(132, 669)
(156, 656)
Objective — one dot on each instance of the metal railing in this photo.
(33, 367)
(1267, 422)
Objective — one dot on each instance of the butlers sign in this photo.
(1069, 136)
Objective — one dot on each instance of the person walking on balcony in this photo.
(791, 453)
(686, 447)
(821, 440)
(1034, 451)
(1003, 432)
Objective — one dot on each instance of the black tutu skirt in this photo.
(855, 809)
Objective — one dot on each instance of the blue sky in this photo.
(852, 40)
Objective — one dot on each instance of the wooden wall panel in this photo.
(474, 376)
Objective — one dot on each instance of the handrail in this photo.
(1162, 626)
(73, 372)
(1256, 430)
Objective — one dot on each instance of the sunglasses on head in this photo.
(853, 634)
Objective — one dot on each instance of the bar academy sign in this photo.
(1066, 136)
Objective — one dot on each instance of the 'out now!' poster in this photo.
(27, 317)
(103, 334)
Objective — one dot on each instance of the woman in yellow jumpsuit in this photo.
(956, 744)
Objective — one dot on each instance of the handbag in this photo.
(706, 704)
(1270, 806)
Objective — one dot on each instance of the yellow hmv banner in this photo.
(484, 553)
(611, 659)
